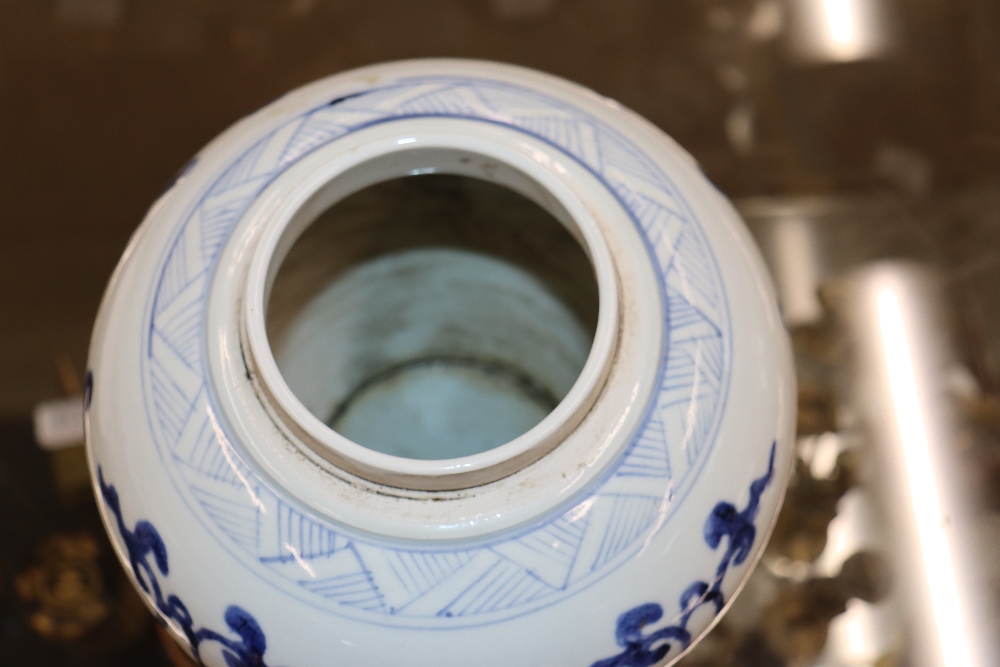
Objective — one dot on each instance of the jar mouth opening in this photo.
(433, 316)
(430, 318)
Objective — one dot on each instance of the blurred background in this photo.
(860, 139)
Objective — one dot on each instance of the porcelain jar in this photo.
(545, 420)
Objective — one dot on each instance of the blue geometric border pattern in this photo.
(359, 576)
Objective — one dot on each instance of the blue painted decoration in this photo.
(88, 390)
(644, 650)
(377, 581)
(145, 541)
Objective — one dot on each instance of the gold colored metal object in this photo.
(64, 588)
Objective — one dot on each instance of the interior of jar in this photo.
(433, 316)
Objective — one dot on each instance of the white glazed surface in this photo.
(281, 558)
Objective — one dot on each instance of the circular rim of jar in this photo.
(611, 401)
(294, 200)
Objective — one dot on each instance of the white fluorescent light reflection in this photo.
(935, 543)
(841, 30)
(840, 19)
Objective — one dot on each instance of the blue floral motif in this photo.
(145, 541)
(642, 650)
